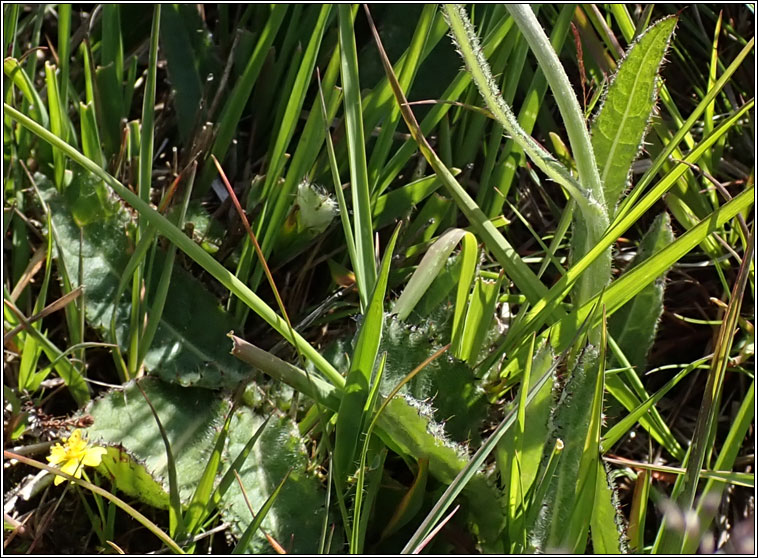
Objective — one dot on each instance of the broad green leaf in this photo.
(296, 515)
(622, 121)
(189, 346)
(190, 417)
(448, 384)
(130, 476)
(407, 425)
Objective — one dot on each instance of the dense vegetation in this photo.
(472, 279)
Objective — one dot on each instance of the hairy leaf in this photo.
(190, 345)
(621, 122)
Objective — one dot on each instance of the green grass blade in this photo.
(511, 448)
(365, 266)
(714, 488)
(334, 166)
(91, 146)
(159, 299)
(358, 532)
(315, 388)
(241, 547)
(70, 375)
(397, 203)
(351, 417)
(57, 123)
(64, 50)
(226, 481)
(618, 430)
(469, 261)
(10, 14)
(468, 44)
(109, 76)
(277, 200)
(634, 326)
(15, 72)
(479, 316)
(147, 136)
(625, 288)
(152, 527)
(176, 518)
(235, 104)
(431, 265)
(196, 510)
(603, 527)
(672, 541)
(452, 93)
(406, 77)
(517, 270)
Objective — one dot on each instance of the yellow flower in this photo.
(74, 455)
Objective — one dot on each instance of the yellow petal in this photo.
(72, 468)
(57, 454)
(93, 456)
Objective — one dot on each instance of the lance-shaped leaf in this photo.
(564, 518)
(623, 118)
(634, 325)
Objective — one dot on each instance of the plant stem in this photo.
(565, 98)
